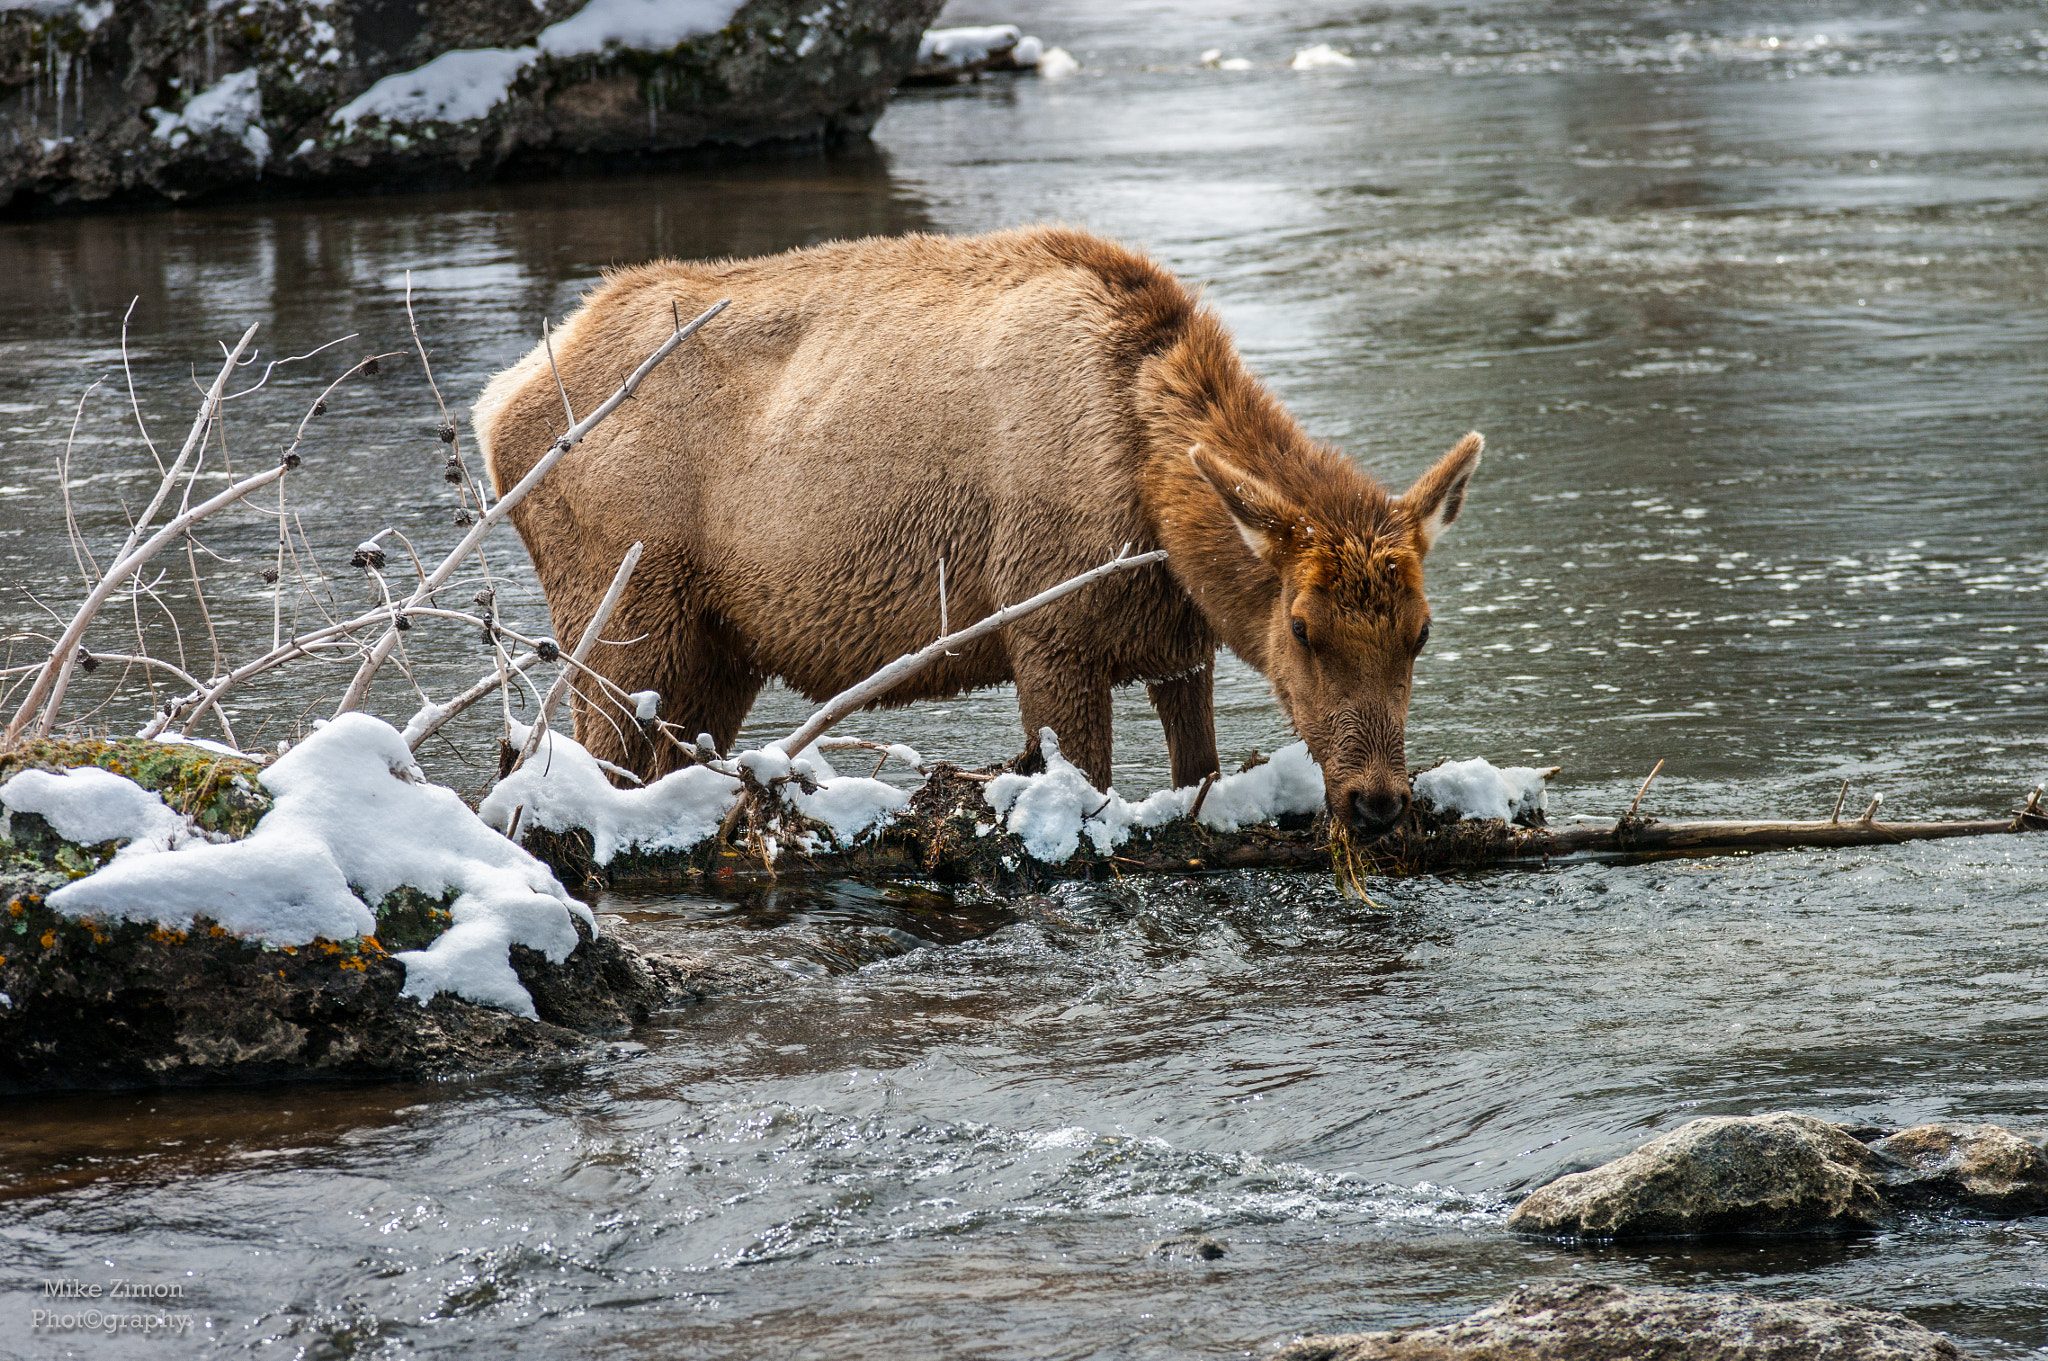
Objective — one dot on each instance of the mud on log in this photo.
(949, 834)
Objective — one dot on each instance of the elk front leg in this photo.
(1076, 707)
(1187, 711)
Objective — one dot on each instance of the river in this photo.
(1752, 305)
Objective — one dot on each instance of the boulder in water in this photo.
(1779, 1173)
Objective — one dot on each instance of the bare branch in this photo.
(57, 671)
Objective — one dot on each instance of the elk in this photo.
(1019, 404)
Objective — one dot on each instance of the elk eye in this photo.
(1300, 630)
(1423, 641)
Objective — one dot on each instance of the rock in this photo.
(1583, 1321)
(1188, 1247)
(138, 100)
(1974, 1167)
(1780, 1173)
(89, 1003)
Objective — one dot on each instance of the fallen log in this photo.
(948, 834)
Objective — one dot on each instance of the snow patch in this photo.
(1051, 810)
(1057, 64)
(353, 815)
(562, 787)
(178, 739)
(454, 87)
(1320, 56)
(232, 105)
(1216, 61)
(90, 805)
(1478, 789)
(649, 25)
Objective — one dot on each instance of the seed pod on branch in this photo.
(447, 432)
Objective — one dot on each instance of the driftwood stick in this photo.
(591, 633)
(359, 686)
(1644, 790)
(1201, 795)
(1836, 815)
(1869, 818)
(896, 672)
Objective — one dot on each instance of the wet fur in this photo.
(1021, 404)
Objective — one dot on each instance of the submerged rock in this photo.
(1981, 1168)
(134, 100)
(1189, 1247)
(1588, 1322)
(1780, 1173)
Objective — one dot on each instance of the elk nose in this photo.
(1378, 811)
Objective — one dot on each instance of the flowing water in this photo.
(1750, 304)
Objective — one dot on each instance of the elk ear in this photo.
(1260, 513)
(1439, 494)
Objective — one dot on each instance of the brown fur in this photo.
(1021, 404)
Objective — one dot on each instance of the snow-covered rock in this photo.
(346, 93)
(946, 56)
(353, 821)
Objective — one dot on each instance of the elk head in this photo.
(1343, 629)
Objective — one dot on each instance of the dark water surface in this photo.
(1752, 304)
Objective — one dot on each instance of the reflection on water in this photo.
(1754, 323)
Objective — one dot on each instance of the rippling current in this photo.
(1750, 303)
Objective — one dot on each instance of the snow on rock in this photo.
(353, 816)
(1216, 61)
(1050, 810)
(1057, 64)
(967, 46)
(459, 86)
(1478, 789)
(178, 739)
(452, 88)
(562, 787)
(89, 805)
(1320, 56)
(649, 25)
(232, 105)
